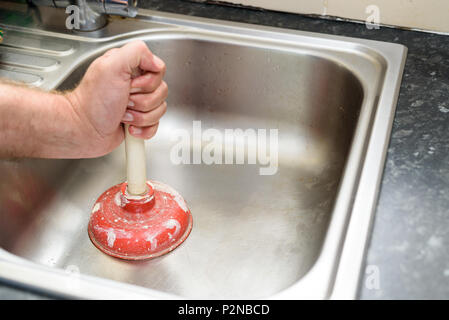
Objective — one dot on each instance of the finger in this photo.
(145, 119)
(146, 83)
(145, 102)
(143, 132)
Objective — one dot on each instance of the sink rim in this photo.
(365, 163)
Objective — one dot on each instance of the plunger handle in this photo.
(135, 158)
(135, 164)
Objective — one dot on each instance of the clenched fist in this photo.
(123, 86)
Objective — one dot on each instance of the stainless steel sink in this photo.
(300, 233)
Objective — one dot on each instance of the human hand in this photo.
(125, 85)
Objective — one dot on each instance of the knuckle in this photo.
(141, 45)
(164, 107)
(164, 88)
(153, 83)
(148, 104)
(153, 129)
(110, 51)
(147, 120)
(159, 114)
(100, 63)
(164, 68)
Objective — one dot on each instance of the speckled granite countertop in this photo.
(410, 239)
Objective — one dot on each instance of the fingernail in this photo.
(128, 117)
(130, 103)
(136, 130)
(134, 90)
(158, 61)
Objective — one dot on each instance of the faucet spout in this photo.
(93, 13)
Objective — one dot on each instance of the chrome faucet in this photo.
(93, 13)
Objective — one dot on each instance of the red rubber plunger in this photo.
(139, 227)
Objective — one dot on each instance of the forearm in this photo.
(34, 123)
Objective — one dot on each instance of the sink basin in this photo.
(298, 232)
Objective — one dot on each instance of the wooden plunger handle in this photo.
(135, 164)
